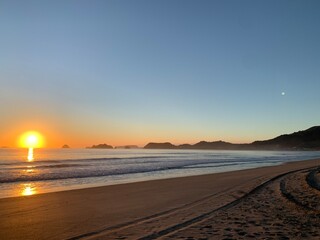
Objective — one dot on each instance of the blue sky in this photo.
(129, 72)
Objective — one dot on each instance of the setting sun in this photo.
(31, 139)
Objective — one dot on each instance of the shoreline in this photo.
(36, 187)
(106, 210)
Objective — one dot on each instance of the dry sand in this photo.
(279, 202)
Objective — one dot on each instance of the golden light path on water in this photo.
(30, 140)
(28, 189)
(29, 170)
(30, 155)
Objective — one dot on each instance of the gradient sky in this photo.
(130, 72)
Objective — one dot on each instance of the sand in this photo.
(278, 202)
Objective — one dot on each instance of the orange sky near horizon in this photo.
(66, 126)
(57, 136)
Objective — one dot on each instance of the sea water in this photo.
(64, 169)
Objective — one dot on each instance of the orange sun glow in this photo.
(31, 139)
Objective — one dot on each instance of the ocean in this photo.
(54, 170)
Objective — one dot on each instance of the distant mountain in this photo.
(303, 140)
(203, 145)
(101, 146)
(165, 145)
(209, 145)
(65, 146)
(127, 147)
(185, 146)
(218, 145)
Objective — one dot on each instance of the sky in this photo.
(130, 72)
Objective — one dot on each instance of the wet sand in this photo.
(278, 202)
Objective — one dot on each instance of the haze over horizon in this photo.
(131, 72)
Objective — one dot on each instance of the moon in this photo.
(283, 93)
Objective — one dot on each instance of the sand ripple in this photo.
(286, 208)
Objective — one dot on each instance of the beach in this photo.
(268, 202)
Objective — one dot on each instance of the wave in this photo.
(4, 163)
(50, 166)
(47, 177)
(94, 171)
(56, 169)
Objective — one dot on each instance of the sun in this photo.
(31, 139)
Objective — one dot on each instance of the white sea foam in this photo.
(62, 169)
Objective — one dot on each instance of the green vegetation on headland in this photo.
(303, 140)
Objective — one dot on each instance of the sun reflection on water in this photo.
(28, 189)
(30, 155)
(29, 169)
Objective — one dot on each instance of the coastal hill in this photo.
(303, 140)
(127, 147)
(307, 139)
(101, 146)
(165, 145)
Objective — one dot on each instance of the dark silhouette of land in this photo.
(101, 146)
(165, 145)
(303, 140)
(127, 147)
(65, 146)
